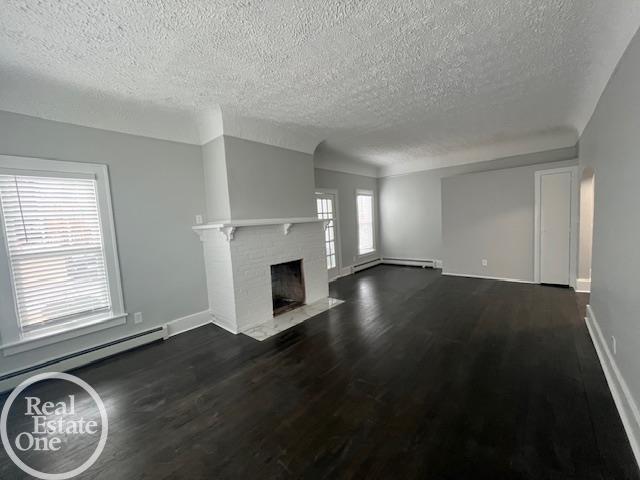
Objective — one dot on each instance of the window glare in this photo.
(365, 224)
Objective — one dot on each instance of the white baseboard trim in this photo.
(184, 324)
(627, 407)
(344, 272)
(224, 326)
(583, 285)
(500, 279)
(80, 359)
(252, 325)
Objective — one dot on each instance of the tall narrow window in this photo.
(366, 226)
(61, 272)
(325, 203)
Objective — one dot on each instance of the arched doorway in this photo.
(587, 197)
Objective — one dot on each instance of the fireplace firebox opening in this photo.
(287, 286)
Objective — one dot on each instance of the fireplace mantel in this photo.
(228, 227)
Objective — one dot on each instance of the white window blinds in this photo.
(54, 241)
(365, 223)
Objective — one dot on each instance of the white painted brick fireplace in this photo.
(238, 258)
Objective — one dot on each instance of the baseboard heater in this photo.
(83, 357)
(365, 265)
(411, 262)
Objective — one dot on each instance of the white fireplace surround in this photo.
(238, 257)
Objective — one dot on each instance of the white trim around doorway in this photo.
(336, 222)
(574, 227)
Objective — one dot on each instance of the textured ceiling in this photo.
(391, 82)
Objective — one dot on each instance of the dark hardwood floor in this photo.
(415, 376)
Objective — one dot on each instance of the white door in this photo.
(326, 206)
(555, 228)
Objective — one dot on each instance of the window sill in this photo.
(41, 339)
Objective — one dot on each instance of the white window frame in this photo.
(374, 212)
(336, 223)
(13, 340)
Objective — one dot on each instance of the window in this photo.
(61, 259)
(326, 210)
(366, 226)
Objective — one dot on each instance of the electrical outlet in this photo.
(484, 262)
(199, 220)
(614, 346)
(137, 317)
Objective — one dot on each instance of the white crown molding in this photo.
(326, 157)
(551, 140)
(209, 123)
(29, 95)
(218, 121)
(26, 94)
(270, 133)
(346, 166)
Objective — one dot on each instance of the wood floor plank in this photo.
(416, 375)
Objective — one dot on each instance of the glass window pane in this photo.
(365, 224)
(54, 240)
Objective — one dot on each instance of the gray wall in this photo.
(411, 205)
(490, 215)
(611, 145)
(267, 181)
(347, 184)
(157, 189)
(215, 180)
